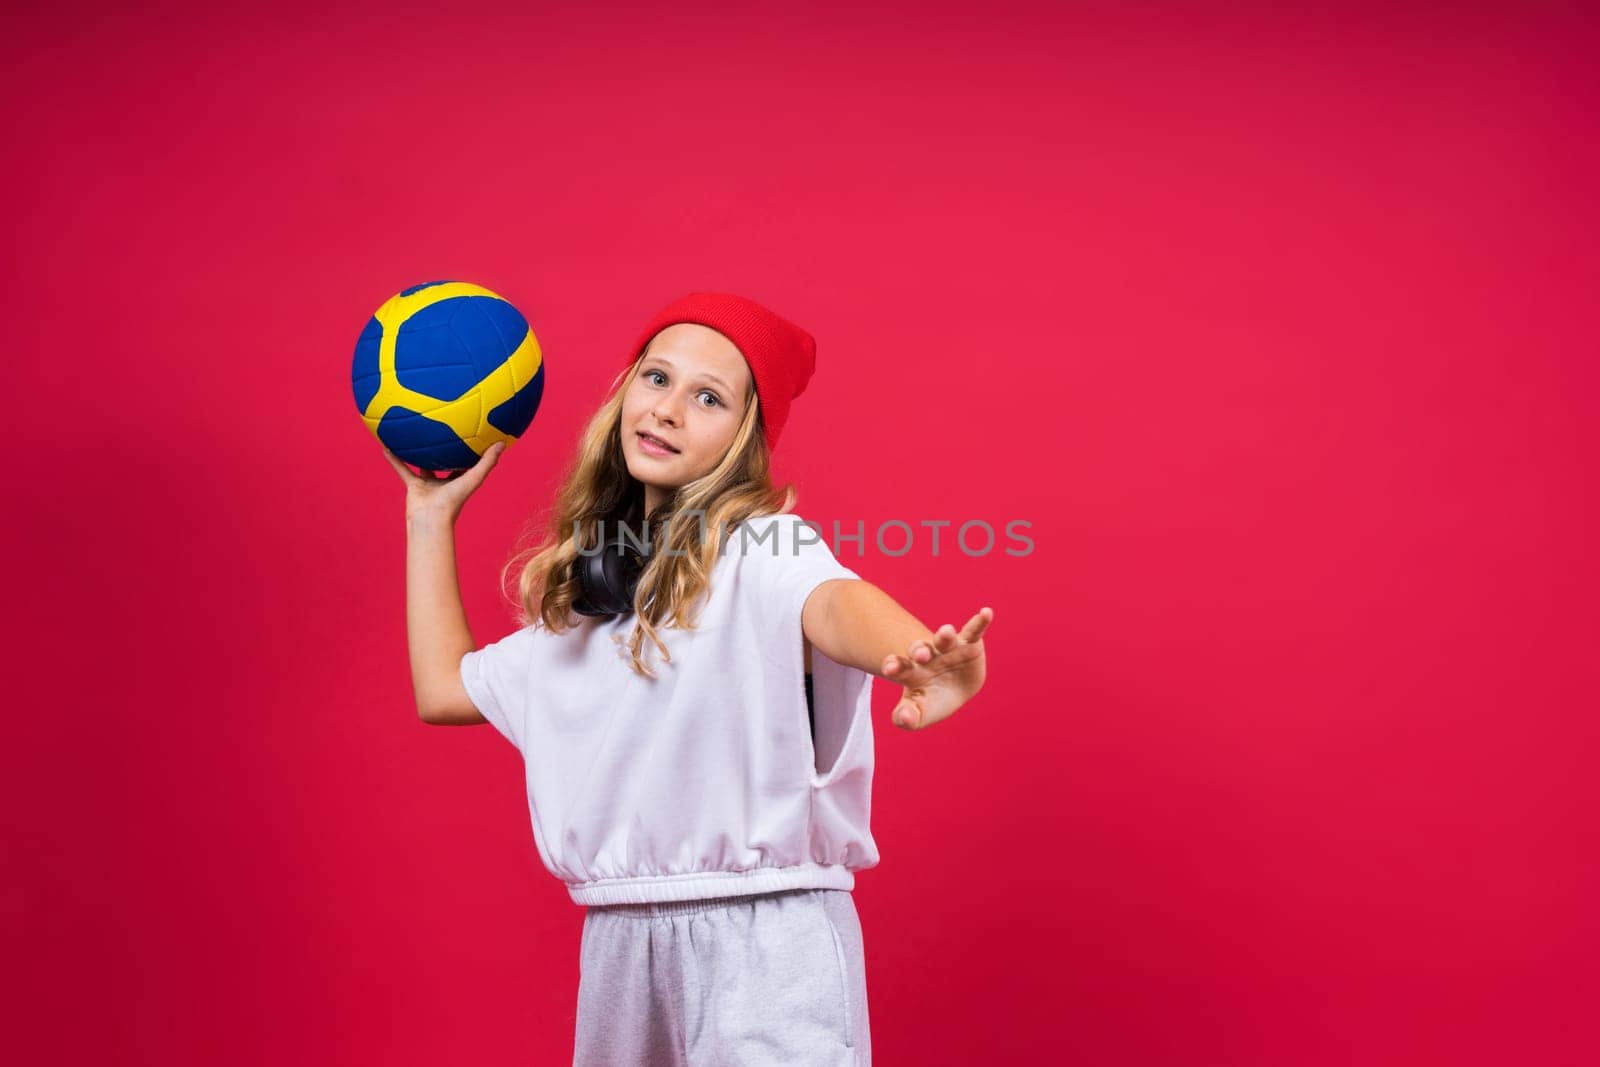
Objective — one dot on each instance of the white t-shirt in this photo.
(704, 781)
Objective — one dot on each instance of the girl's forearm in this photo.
(436, 621)
(857, 624)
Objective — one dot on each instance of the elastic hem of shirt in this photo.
(700, 884)
(666, 909)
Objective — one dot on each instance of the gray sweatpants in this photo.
(772, 978)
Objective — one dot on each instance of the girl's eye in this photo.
(653, 375)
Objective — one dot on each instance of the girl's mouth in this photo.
(655, 446)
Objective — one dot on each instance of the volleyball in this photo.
(444, 370)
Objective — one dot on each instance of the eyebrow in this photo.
(711, 377)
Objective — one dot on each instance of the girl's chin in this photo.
(650, 473)
(638, 456)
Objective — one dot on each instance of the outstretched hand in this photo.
(444, 497)
(939, 676)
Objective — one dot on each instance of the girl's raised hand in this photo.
(443, 497)
(941, 676)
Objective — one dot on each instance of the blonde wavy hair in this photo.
(598, 494)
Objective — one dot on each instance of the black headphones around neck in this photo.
(609, 579)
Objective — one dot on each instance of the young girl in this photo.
(696, 734)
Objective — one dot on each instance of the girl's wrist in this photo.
(430, 521)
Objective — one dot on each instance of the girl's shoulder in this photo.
(781, 533)
(767, 519)
(784, 558)
(782, 547)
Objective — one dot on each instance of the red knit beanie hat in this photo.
(781, 355)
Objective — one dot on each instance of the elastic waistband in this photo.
(708, 885)
(659, 908)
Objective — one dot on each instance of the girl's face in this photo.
(690, 394)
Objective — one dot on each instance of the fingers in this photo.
(394, 461)
(473, 476)
(484, 464)
(977, 624)
(491, 455)
(944, 639)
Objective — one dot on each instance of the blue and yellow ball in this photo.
(443, 371)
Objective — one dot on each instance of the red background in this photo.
(1276, 326)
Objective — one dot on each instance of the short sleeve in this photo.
(787, 557)
(496, 678)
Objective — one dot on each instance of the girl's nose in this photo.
(666, 409)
